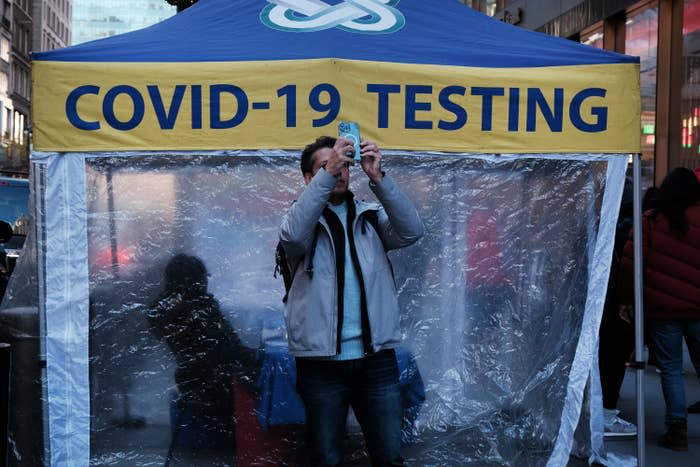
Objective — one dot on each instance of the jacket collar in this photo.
(360, 207)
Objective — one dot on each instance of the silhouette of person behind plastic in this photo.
(208, 353)
(5, 236)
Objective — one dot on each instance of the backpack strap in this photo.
(282, 267)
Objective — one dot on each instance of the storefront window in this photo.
(490, 7)
(641, 34)
(690, 104)
(593, 37)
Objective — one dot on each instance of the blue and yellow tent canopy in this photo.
(241, 74)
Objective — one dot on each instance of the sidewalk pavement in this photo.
(655, 407)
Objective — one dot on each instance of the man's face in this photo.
(320, 158)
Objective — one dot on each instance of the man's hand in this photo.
(338, 159)
(371, 160)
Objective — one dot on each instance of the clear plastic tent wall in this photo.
(501, 303)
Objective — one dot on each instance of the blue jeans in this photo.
(667, 337)
(371, 386)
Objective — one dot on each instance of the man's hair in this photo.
(307, 161)
(679, 190)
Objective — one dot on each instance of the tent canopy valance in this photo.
(256, 75)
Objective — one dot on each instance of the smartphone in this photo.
(351, 131)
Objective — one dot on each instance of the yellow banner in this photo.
(87, 106)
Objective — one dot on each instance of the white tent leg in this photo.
(639, 310)
(66, 319)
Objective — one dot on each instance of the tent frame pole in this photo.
(639, 310)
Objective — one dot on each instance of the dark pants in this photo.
(371, 386)
(616, 346)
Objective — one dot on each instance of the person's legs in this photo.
(667, 336)
(668, 340)
(691, 333)
(614, 350)
(692, 340)
(616, 346)
(322, 387)
(376, 400)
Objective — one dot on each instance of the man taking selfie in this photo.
(341, 309)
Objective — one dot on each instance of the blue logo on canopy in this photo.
(358, 16)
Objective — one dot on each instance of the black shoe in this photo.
(676, 437)
(694, 408)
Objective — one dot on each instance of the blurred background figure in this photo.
(671, 257)
(616, 334)
(490, 315)
(208, 356)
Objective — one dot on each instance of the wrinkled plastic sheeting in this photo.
(20, 327)
(181, 288)
(23, 287)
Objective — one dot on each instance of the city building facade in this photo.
(665, 34)
(20, 68)
(52, 24)
(6, 107)
(95, 19)
(25, 26)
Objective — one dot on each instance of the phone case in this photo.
(351, 131)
